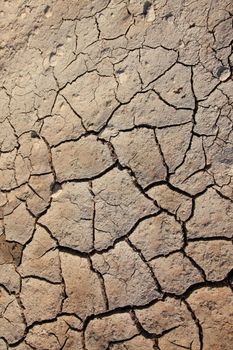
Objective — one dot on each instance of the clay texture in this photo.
(116, 175)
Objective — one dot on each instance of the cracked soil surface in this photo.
(116, 175)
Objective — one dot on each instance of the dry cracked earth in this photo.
(116, 175)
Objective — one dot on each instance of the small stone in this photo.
(34, 134)
(148, 11)
(223, 73)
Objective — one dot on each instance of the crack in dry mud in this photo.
(116, 166)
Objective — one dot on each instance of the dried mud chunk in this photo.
(136, 33)
(10, 252)
(174, 142)
(8, 140)
(70, 216)
(203, 82)
(213, 216)
(36, 151)
(175, 273)
(87, 9)
(170, 316)
(7, 173)
(15, 198)
(103, 54)
(22, 169)
(4, 101)
(41, 300)
(215, 257)
(63, 125)
(9, 278)
(163, 31)
(11, 319)
(52, 335)
(63, 51)
(140, 68)
(40, 257)
(103, 331)
(39, 198)
(223, 33)
(158, 235)
(82, 285)
(191, 176)
(209, 112)
(3, 345)
(131, 148)
(74, 341)
(127, 278)
(226, 88)
(117, 14)
(154, 63)
(96, 102)
(137, 343)
(219, 155)
(19, 225)
(175, 202)
(147, 108)
(118, 206)
(175, 87)
(21, 346)
(213, 308)
(87, 32)
(3, 202)
(85, 158)
(128, 78)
